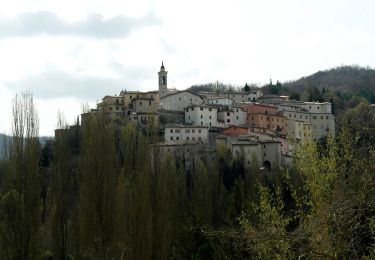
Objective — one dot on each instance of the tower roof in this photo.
(162, 66)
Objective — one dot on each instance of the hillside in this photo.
(344, 81)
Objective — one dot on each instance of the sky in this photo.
(71, 53)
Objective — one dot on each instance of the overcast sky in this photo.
(69, 53)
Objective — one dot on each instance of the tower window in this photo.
(164, 80)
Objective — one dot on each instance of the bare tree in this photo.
(20, 203)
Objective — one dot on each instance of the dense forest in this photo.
(106, 191)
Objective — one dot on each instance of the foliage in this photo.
(104, 190)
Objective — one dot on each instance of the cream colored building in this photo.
(178, 101)
(201, 115)
(183, 133)
(318, 115)
(229, 116)
(219, 101)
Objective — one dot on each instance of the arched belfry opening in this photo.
(163, 81)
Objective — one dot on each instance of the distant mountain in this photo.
(342, 81)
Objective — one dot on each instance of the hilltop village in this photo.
(264, 127)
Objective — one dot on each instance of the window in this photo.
(130, 97)
(199, 130)
(193, 131)
(140, 103)
(321, 118)
(210, 117)
(177, 131)
(193, 138)
(187, 137)
(179, 98)
(149, 102)
(201, 116)
(228, 120)
(116, 108)
(318, 107)
(171, 137)
(210, 123)
(237, 117)
(327, 117)
(177, 138)
(199, 138)
(237, 110)
(189, 117)
(192, 109)
(110, 108)
(171, 131)
(210, 109)
(201, 123)
(201, 108)
(187, 131)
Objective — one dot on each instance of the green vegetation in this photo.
(104, 191)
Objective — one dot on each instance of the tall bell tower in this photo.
(163, 90)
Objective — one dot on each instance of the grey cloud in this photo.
(94, 26)
(55, 83)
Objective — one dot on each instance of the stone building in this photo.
(201, 115)
(178, 101)
(266, 152)
(183, 133)
(232, 115)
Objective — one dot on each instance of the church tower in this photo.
(163, 90)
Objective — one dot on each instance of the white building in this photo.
(178, 101)
(231, 116)
(318, 115)
(222, 101)
(186, 133)
(250, 96)
(201, 115)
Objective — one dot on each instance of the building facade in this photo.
(201, 115)
(183, 133)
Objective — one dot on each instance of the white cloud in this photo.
(85, 57)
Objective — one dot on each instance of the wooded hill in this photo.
(345, 78)
(344, 82)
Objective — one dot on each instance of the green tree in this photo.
(20, 202)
